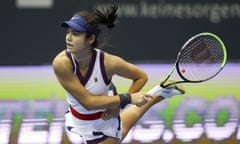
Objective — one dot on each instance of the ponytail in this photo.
(97, 17)
(107, 16)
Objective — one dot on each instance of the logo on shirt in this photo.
(95, 79)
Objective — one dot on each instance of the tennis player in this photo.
(85, 72)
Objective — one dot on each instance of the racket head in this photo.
(201, 58)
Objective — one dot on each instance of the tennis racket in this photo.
(200, 59)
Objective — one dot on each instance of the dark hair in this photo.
(98, 17)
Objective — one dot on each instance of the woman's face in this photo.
(76, 41)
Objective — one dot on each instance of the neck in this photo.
(83, 57)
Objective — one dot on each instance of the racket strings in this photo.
(188, 57)
(201, 58)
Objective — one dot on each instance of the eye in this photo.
(68, 31)
(76, 33)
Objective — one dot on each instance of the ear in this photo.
(91, 38)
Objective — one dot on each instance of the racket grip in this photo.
(155, 91)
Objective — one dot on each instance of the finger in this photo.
(143, 102)
(138, 105)
(103, 117)
(147, 97)
(106, 116)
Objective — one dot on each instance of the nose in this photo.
(69, 36)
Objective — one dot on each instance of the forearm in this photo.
(100, 102)
(137, 85)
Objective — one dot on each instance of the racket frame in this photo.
(176, 65)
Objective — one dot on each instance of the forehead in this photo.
(69, 29)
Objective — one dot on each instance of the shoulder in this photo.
(114, 63)
(61, 62)
(112, 60)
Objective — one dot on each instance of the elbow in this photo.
(144, 77)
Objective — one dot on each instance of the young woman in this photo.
(85, 72)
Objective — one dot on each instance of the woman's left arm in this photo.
(116, 65)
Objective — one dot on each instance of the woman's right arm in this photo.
(62, 68)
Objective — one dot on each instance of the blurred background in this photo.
(149, 34)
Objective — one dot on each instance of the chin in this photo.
(71, 50)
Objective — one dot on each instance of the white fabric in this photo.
(85, 128)
(93, 87)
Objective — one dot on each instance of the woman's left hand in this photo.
(111, 113)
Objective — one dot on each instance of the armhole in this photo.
(113, 88)
(70, 57)
(103, 70)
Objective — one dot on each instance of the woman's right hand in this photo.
(140, 99)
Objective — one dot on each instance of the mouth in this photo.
(69, 45)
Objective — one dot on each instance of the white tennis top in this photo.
(95, 80)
